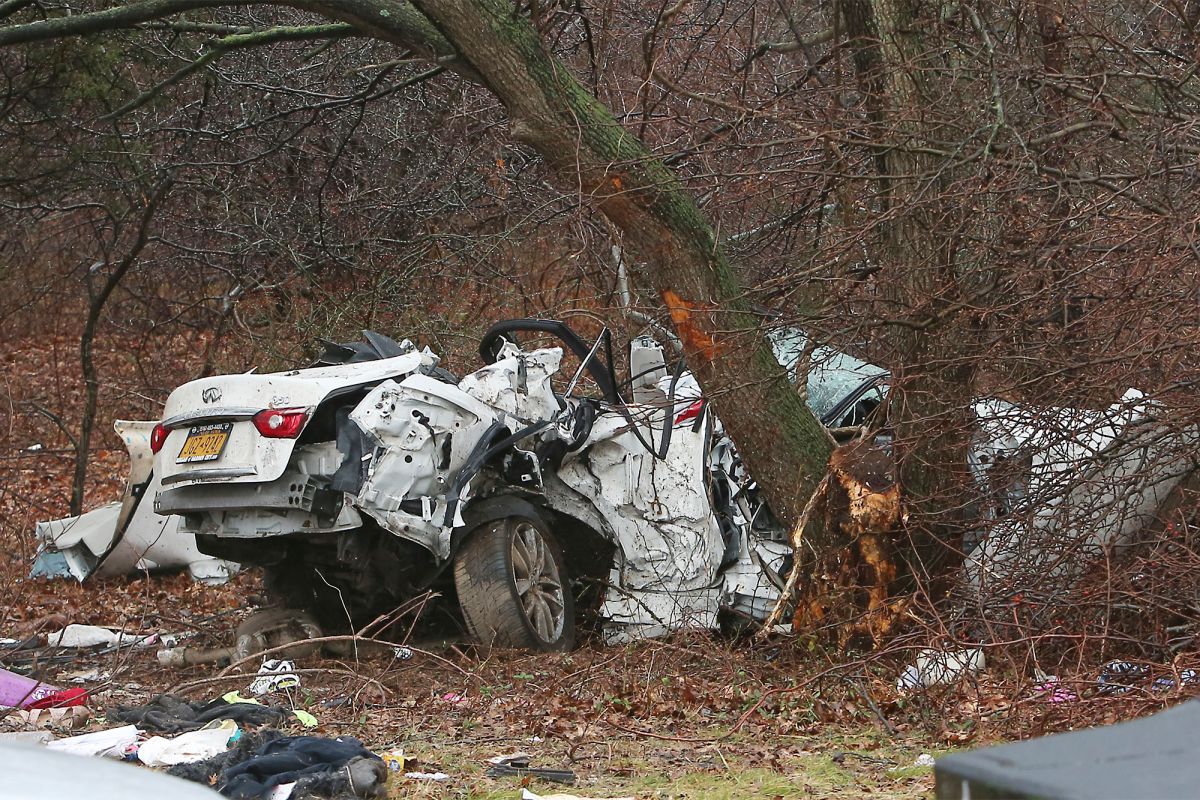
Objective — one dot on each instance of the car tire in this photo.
(513, 587)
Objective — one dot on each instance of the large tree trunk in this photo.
(932, 366)
(677, 253)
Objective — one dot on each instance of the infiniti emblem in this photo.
(211, 395)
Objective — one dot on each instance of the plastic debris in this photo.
(1055, 691)
(402, 653)
(85, 636)
(427, 776)
(18, 691)
(518, 764)
(275, 675)
(282, 792)
(924, 760)
(941, 667)
(112, 743)
(186, 748)
(1118, 677)
(395, 760)
(1187, 677)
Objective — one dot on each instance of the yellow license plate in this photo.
(204, 443)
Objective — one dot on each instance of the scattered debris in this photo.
(924, 760)
(19, 691)
(1055, 691)
(274, 675)
(306, 719)
(1118, 677)
(111, 743)
(840, 756)
(427, 776)
(186, 748)
(169, 714)
(1187, 677)
(120, 538)
(395, 760)
(93, 675)
(83, 637)
(259, 764)
(940, 667)
(518, 764)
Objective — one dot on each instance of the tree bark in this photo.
(932, 372)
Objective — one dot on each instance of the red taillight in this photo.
(280, 423)
(158, 437)
(691, 412)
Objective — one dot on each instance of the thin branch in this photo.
(796, 538)
(236, 42)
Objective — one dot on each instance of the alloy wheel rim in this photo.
(538, 583)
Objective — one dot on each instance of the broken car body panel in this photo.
(124, 537)
(247, 457)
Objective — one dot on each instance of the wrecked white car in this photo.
(375, 476)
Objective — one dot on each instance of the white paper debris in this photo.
(187, 748)
(111, 743)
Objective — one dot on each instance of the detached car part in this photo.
(120, 538)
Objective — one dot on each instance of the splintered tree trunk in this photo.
(784, 446)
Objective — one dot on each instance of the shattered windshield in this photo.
(832, 376)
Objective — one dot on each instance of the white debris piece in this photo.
(120, 538)
(84, 636)
(186, 748)
(112, 743)
(941, 667)
(274, 675)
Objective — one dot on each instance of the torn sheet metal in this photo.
(669, 544)
(120, 538)
(1088, 482)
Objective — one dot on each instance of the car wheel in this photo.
(513, 587)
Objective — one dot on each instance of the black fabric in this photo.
(320, 768)
(170, 714)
